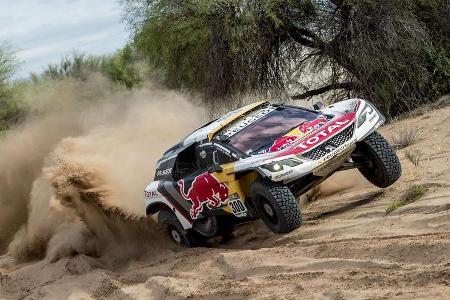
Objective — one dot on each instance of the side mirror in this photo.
(318, 105)
(215, 169)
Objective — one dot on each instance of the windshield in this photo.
(260, 135)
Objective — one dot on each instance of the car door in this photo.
(202, 188)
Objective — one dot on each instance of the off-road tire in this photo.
(286, 214)
(385, 166)
(187, 238)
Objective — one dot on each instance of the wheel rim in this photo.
(268, 211)
(176, 236)
(374, 171)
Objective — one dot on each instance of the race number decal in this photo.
(238, 208)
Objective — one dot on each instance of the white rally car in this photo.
(255, 161)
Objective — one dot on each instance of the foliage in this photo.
(198, 46)
(406, 136)
(394, 52)
(411, 195)
(10, 110)
(7, 68)
(119, 67)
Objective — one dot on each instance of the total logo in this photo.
(320, 136)
(326, 132)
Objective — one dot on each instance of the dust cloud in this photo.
(338, 183)
(72, 176)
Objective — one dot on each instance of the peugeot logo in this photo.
(329, 148)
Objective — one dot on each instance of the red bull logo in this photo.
(326, 132)
(205, 189)
(282, 142)
(301, 131)
(312, 125)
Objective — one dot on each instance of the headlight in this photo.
(279, 165)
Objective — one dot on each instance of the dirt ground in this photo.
(346, 248)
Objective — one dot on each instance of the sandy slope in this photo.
(346, 248)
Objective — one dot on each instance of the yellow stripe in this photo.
(230, 119)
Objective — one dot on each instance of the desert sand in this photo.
(347, 247)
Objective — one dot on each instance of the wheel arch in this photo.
(155, 207)
(247, 177)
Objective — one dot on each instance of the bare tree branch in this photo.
(324, 89)
(305, 37)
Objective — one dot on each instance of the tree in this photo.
(7, 68)
(10, 111)
(393, 52)
(119, 67)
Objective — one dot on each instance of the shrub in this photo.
(119, 67)
(411, 195)
(414, 156)
(405, 137)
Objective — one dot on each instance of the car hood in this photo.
(309, 134)
(299, 133)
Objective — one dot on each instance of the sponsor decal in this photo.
(313, 125)
(301, 131)
(283, 174)
(334, 160)
(245, 122)
(164, 172)
(320, 136)
(150, 194)
(335, 153)
(205, 190)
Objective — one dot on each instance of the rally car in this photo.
(256, 161)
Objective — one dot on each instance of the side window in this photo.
(205, 156)
(222, 158)
(210, 155)
(185, 163)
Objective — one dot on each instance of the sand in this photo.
(347, 247)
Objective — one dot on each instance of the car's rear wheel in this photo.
(176, 232)
(276, 205)
(384, 167)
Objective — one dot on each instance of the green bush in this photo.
(411, 195)
(119, 67)
(10, 110)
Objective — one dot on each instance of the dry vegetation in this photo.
(405, 137)
(411, 195)
(414, 156)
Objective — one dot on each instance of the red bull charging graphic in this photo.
(205, 189)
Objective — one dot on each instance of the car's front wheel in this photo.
(276, 205)
(383, 168)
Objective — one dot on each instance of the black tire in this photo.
(276, 205)
(385, 166)
(176, 232)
